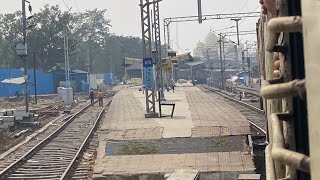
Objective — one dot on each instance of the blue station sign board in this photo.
(148, 74)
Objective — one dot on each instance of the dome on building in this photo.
(198, 50)
(200, 45)
(241, 46)
(211, 39)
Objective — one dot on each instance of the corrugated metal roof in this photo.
(62, 71)
(79, 71)
(194, 63)
(19, 80)
(134, 67)
(131, 61)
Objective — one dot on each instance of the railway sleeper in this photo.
(67, 152)
(64, 139)
(48, 166)
(38, 173)
(84, 172)
(36, 177)
(39, 166)
(69, 137)
(56, 156)
(59, 145)
(83, 168)
(50, 161)
(43, 169)
(80, 177)
(52, 158)
(58, 149)
(60, 141)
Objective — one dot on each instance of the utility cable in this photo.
(245, 4)
(76, 5)
(247, 17)
(66, 5)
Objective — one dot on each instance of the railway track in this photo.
(254, 115)
(57, 155)
(251, 91)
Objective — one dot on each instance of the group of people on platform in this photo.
(165, 86)
(170, 86)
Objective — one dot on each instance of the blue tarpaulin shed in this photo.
(44, 82)
(78, 76)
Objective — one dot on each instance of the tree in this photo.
(88, 35)
(92, 29)
(46, 39)
(10, 28)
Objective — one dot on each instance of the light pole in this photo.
(221, 64)
(211, 65)
(238, 40)
(25, 73)
(35, 78)
(22, 51)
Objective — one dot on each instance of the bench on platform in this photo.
(166, 103)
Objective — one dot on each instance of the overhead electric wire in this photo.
(66, 5)
(247, 17)
(76, 5)
(245, 4)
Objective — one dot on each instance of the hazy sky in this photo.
(125, 16)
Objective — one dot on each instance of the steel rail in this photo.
(47, 139)
(218, 91)
(68, 120)
(85, 142)
(255, 92)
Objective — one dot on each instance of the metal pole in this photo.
(211, 66)
(220, 42)
(125, 73)
(238, 40)
(168, 37)
(157, 40)
(24, 21)
(249, 66)
(224, 59)
(243, 58)
(147, 50)
(191, 73)
(89, 69)
(35, 78)
(153, 43)
(165, 37)
(172, 71)
(65, 54)
(237, 56)
(248, 61)
(110, 61)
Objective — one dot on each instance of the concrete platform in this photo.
(213, 117)
(181, 124)
(197, 115)
(167, 163)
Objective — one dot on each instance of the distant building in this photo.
(77, 79)
(210, 49)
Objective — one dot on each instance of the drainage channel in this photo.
(176, 146)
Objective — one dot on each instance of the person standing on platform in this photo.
(91, 96)
(100, 98)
